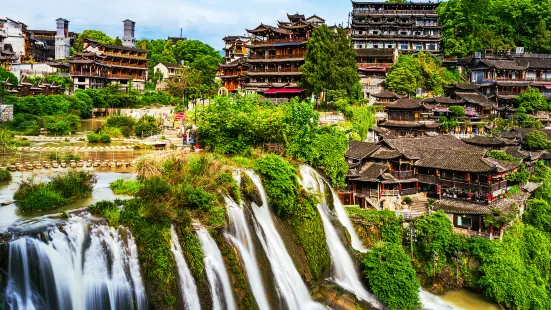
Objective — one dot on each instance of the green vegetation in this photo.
(292, 203)
(420, 71)
(501, 155)
(238, 125)
(535, 140)
(377, 226)
(125, 187)
(330, 63)
(470, 26)
(5, 175)
(98, 138)
(95, 35)
(59, 191)
(532, 101)
(388, 270)
(7, 141)
(146, 126)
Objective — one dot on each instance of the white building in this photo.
(15, 36)
(167, 69)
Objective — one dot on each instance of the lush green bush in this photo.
(538, 214)
(5, 175)
(25, 124)
(73, 183)
(391, 277)
(378, 226)
(408, 200)
(93, 138)
(104, 138)
(38, 197)
(61, 124)
(125, 187)
(521, 176)
(457, 111)
(501, 155)
(536, 140)
(146, 126)
(7, 141)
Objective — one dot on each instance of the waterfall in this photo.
(220, 286)
(290, 286)
(345, 273)
(187, 283)
(75, 269)
(240, 236)
(313, 178)
(346, 277)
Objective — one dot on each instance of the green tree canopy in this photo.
(536, 140)
(419, 71)
(96, 35)
(391, 276)
(532, 101)
(330, 63)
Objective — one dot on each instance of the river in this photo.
(9, 214)
(468, 300)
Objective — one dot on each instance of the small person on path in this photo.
(184, 138)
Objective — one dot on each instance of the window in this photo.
(404, 46)
(419, 47)
(375, 46)
(81, 80)
(464, 221)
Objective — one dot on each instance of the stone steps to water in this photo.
(37, 165)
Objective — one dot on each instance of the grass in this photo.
(61, 190)
(125, 187)
(5, 175)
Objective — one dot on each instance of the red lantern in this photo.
(489, 179)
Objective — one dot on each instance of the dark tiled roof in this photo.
(466, 207)
(132, 49)
(502, 64)
(360, 150)
(484, 141)
(414, 147)
(385, 153)
(515, 152)
(386, 94)
(466, 86)
(404, 104)
(514, 83)
(444, 100)
(407, 124)
(372, 171)
(454, 160)
(474, 98)
(535, 63)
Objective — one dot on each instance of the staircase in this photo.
(420, 204)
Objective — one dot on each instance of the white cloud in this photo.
(206, 20)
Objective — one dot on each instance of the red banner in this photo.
(179, 116)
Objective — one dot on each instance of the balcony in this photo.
(278, 41)
(255, 70)
(393, 12)
(403, 175)
(289, 56)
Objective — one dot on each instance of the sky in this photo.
(205, 20)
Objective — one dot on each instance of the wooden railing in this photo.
(288, 56)
(276, 41)
(394, 12)
(403, 174)
(275, 70)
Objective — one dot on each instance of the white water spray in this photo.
(220, 286)
(76, 269)
(240, 236)
(187, 283)
(290, 286)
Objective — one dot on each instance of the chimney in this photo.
(62, 40)
(128, 40)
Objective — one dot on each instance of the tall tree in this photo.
(330, 63)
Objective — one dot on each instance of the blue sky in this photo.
(205, 20)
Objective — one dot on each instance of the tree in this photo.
(521, 176)
(535, 140)
(419, 71)
(501, 155)
(330, 62)
(391, 277)
(118, 41)
(538, 214)
(532, 101)
(457, 111)
(95, 35)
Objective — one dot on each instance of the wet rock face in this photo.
(249, 190)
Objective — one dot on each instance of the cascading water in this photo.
(345, 278)
(290, 286)
(312, 176)
(219, 281)
(343, 265)
(187, 283)
(240, 236)
(75, 269)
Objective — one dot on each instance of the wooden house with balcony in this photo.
(410, 27)
(276, 55)
(234, 74)
(102, 64)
